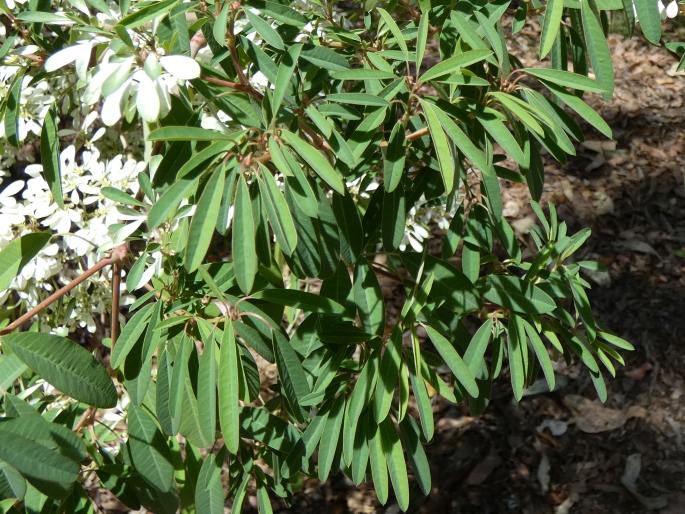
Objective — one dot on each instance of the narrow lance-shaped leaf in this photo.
(18, 253)
(265, 30)
(650, 19)
(550, 27)
(244, 239)
(454, 63)
(12, 106)
(441, 145)
(207, 389)
(421, 40)
(330, 437)
(49, 154)
(453, 360)
(279, 215)
(65, 365)
(395, 31)
(316, 160)
(204, 220)
(397, 467)
(597, 46)
(284, 76)
(229, 407)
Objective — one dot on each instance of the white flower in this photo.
(180, 66)
(10, 212)
(671, 10)
(259, 81)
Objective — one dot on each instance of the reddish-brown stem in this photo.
(246, 88)
(85, 419)
(116, 286)
(117, 255)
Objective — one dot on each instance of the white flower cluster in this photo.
(81, 229)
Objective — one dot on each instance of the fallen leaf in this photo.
(631, 473)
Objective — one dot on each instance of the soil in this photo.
(564, 452)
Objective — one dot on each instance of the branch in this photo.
(245, 88)
(115, 257)
(116, 286)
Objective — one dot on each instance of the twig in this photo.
(116, 257)
(116, 286)
(410, 137)
(85, 419)
(245, 88)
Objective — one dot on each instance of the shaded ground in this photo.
(563, 452)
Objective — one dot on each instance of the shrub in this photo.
(259, 169)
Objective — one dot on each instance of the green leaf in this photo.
(516, 360)
(170, 200)
(453, 360)
(566, 79)
(307, 302)
(362, 74)
(18, 253)
(518, 295)
(423, 403)
(541, 354)
(44, 17)
(389, 373)
(501, 134)
(263, 501)
(330, 437)
(361, 393)
(229, 408)
(597, 46)
(394, 457)
(368, 298)
(474, 357)
(65, 365)
(394, 159)
(12, 106)
(422, 39)
(284, 77)
(12, 484)
(584, 110)
(221, 24)
(49, 155)
(395, 31)
(184, 133)
(441, 145)
(150, 455)
(147, 13)
(650, 19)
(209, 490)
(119, 196)
(243, 246)
(206, 389)
(204, 220)
(130, 335)
(379, 467)
(455, 63)
(279, 215)
(290, 370)
(177, 384)
(550, 28)
(616, 341)
(265, 30)
(394, 218)
(357, 99)
(37, 459)
(409, 433)
(461, 140)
